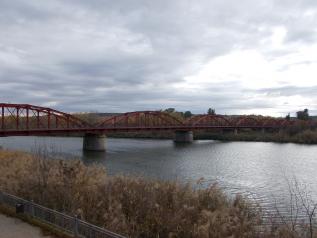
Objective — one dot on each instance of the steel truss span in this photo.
(25, 119)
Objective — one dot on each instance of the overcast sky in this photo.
(241, 57)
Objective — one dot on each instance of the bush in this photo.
(307, 137)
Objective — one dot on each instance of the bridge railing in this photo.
(69, 224)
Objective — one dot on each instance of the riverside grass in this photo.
(135, 207)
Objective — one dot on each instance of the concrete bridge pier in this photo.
(183, 137)
(236, 131)
(94, 142)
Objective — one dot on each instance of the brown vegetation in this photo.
(294, 134)
(136, 207)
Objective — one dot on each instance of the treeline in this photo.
(302, 137)
(95, 117)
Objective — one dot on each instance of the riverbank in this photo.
(301, 137)
(137, 207)
(304, 137)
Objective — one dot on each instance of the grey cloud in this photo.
(289, 91)
(129, 55)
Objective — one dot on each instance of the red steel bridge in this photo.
(25, 119)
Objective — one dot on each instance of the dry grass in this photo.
(136, 207)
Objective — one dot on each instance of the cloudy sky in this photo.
(242, 56)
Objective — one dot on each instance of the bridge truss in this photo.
(25, 119)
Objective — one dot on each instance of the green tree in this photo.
(187, 114)
(288, 117)
(170, 110)
(303, 115)
(211, 111)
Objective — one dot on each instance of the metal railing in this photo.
(64, 222)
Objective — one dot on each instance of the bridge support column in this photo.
(235, 131)
(94, 142)
(263, 130)
(183, 137)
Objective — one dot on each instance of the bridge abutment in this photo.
(94, 142)
(183, 137)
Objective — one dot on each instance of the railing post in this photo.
(75, 226)
(32, 208)
(1, 197)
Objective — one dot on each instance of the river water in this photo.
(260, 171)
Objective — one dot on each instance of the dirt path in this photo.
(15, 228)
